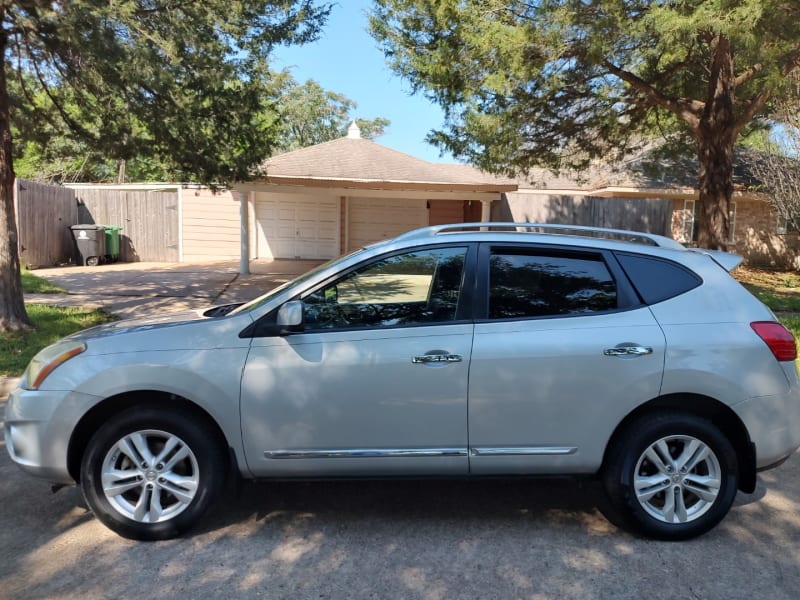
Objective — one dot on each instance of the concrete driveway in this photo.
(533, 539)
(139, 289)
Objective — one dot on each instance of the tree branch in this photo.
(687, 109)
(752, 108)
(747, 75)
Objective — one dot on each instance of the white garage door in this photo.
(297, 226)
(375, 219)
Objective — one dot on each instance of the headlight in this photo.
(48, 359)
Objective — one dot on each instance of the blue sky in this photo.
(347, 60)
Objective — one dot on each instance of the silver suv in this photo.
(462, 350)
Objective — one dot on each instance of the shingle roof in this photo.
(362, 160)
(353, 159)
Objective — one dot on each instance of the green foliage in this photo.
(559, 82)
(184, 85)
(299, 115)
(310, 114)
(52, 323)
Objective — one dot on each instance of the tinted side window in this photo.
(657, 279)
(407, 289)
(535, 285)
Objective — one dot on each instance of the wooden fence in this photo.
(653, 215)
(149, 220)
(44, 215)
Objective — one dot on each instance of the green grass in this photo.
(52, 323)
(780, 290)
(31, 284)
(792, 323)
(777, 300)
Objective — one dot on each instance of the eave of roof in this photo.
(373, 184)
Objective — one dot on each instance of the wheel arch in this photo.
(106, 409)
(720, 414)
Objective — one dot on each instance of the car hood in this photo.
(141, 324)
(185, 331)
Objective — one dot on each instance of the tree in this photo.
(304, 114)
(559, 82)
(311, 115)
(193, 75)
(775, 160)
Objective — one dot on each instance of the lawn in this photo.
(32, 284)
(52, 323)
(780, 290)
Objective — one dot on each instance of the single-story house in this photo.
(328, 199)
(325, 200)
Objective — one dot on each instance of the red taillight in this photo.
(779, 339)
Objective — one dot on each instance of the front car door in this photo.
(563, 351)
(376, 382)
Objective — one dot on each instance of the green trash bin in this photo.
(112, 243)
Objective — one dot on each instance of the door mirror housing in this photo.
(290, 317)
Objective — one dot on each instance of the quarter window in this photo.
(527, 285)
(407, 289)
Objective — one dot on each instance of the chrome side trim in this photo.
(523, 451)
(367, 453)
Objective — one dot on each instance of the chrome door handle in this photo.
(436, 358)
(628, 351)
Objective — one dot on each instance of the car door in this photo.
(563, 352)
(376, 381)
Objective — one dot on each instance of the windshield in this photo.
(253, 304)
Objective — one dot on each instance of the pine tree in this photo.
(188, 79)
(558, 83)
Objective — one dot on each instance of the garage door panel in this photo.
(297, 226)
(375, 219)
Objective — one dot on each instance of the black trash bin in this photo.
(91, 242)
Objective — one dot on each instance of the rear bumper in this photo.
(774, 426)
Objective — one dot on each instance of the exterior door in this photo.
(376, 382)
(564, 353)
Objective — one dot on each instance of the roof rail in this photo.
(622, 235)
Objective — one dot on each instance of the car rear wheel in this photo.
(150, 474)
(670, 476)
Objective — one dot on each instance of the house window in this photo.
(784, 226)
(689, 231)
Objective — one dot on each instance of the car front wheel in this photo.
(150, 473)
(670, 476)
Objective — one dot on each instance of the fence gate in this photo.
(149, 220)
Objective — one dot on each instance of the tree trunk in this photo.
(12, 305)
(716, 135)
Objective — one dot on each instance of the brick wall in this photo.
(755, 234)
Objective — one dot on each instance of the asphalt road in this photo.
(532, 539)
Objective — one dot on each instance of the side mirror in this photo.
(290, 317)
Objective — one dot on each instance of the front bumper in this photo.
(38, 426)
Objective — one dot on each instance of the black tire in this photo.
(695, 504)
(175, 493)
(92, 261)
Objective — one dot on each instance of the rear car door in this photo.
(563, 350)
